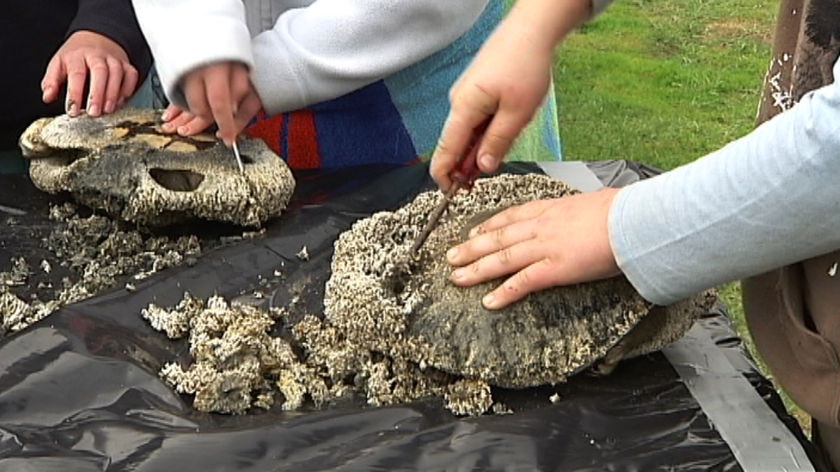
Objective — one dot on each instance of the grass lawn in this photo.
(664, 82)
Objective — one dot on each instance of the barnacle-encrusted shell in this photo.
(387, 301)
(123, 164)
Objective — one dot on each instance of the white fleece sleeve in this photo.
(332, 47)
(186, 34)
(766, 200)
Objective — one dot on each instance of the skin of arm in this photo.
(505, 83)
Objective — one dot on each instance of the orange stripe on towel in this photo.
(267, 129)
(303, 141)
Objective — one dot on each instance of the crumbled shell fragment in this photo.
(18, 274)
(500, 408)
(96, 251)
(292, 389)
(468, 397)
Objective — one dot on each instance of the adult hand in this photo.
(543, 243)
(220, 93)
(112, 77)
(505, 83)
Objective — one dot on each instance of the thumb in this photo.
(501, 133)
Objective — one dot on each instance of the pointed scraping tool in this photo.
(462, 176)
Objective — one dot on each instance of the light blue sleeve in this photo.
(766, 200)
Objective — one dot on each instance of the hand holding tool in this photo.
(463, 176)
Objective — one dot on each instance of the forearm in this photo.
(547, 22)
(333, 47)
(187, 34)
(116, 20)
(766, 200)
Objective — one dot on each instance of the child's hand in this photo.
(506, 82)
(540, 244)
(112, 77)
(219, 93)
(176, 119)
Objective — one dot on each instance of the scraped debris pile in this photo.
(237, 364)
(395, 329)
(96, 253)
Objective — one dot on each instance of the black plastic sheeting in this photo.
(79, 390)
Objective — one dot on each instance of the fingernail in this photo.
(457, 275)
(72, 108)
(450, 254)
(47, 91)
(486, 161)
(489, 301)
(183, 130)
(475, 231)
(164, 116)
(167, 127)
(109, 106)
(93, 110)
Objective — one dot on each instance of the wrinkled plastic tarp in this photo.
(79, 390)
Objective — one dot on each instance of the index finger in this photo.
(471, 107)
(218, 90)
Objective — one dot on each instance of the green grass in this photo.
(664, 82)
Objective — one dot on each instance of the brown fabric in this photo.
(794, 320)
(794, 312)
(805, 46)
(829, 440)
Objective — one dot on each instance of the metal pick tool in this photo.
(238, 158)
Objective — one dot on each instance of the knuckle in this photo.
(76, 74)
(99, 67)
(475, 267)
(487, 103)
(505, 256)
(497, 139)
(499, 237)
(442, 144)
(216, 105)
(521, 279)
